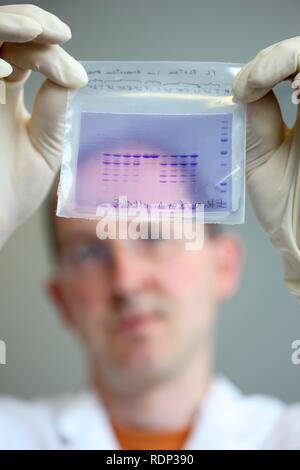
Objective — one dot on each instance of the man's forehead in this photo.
(73, 225)
(70, 231)
(65, 228)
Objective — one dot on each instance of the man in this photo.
(145, 310)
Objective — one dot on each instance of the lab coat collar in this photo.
(83, 424)
(220, 422)
(228, 419)
(215, 424)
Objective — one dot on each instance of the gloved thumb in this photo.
(47, 124)
(265, 130)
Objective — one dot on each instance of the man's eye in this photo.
(89, 252)
(85, 252)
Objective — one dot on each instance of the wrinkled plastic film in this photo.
(160, 134)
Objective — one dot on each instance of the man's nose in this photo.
(130, 271)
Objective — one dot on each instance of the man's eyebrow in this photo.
(80, 236)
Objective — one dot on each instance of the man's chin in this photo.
(137, 378)
(145, 370)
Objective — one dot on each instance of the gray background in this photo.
(257, 327)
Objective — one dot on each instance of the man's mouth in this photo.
(136, 322)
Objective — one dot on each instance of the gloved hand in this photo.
(31, 146)
(273, 152)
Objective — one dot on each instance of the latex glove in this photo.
(273, 152)
(31, 146)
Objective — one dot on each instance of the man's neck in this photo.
(170, 405)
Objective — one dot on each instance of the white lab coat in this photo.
(227, 420)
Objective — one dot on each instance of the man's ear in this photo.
(55, 292)
(229, 250)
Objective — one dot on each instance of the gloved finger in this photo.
(13, 28)
(240, 87)
(51, 60)
(53, 30)
(47, 124)
(271, 66)
(5, 69)
(278, 64)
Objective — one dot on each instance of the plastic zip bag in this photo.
(164, 135)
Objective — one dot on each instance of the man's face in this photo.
(144, 308)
